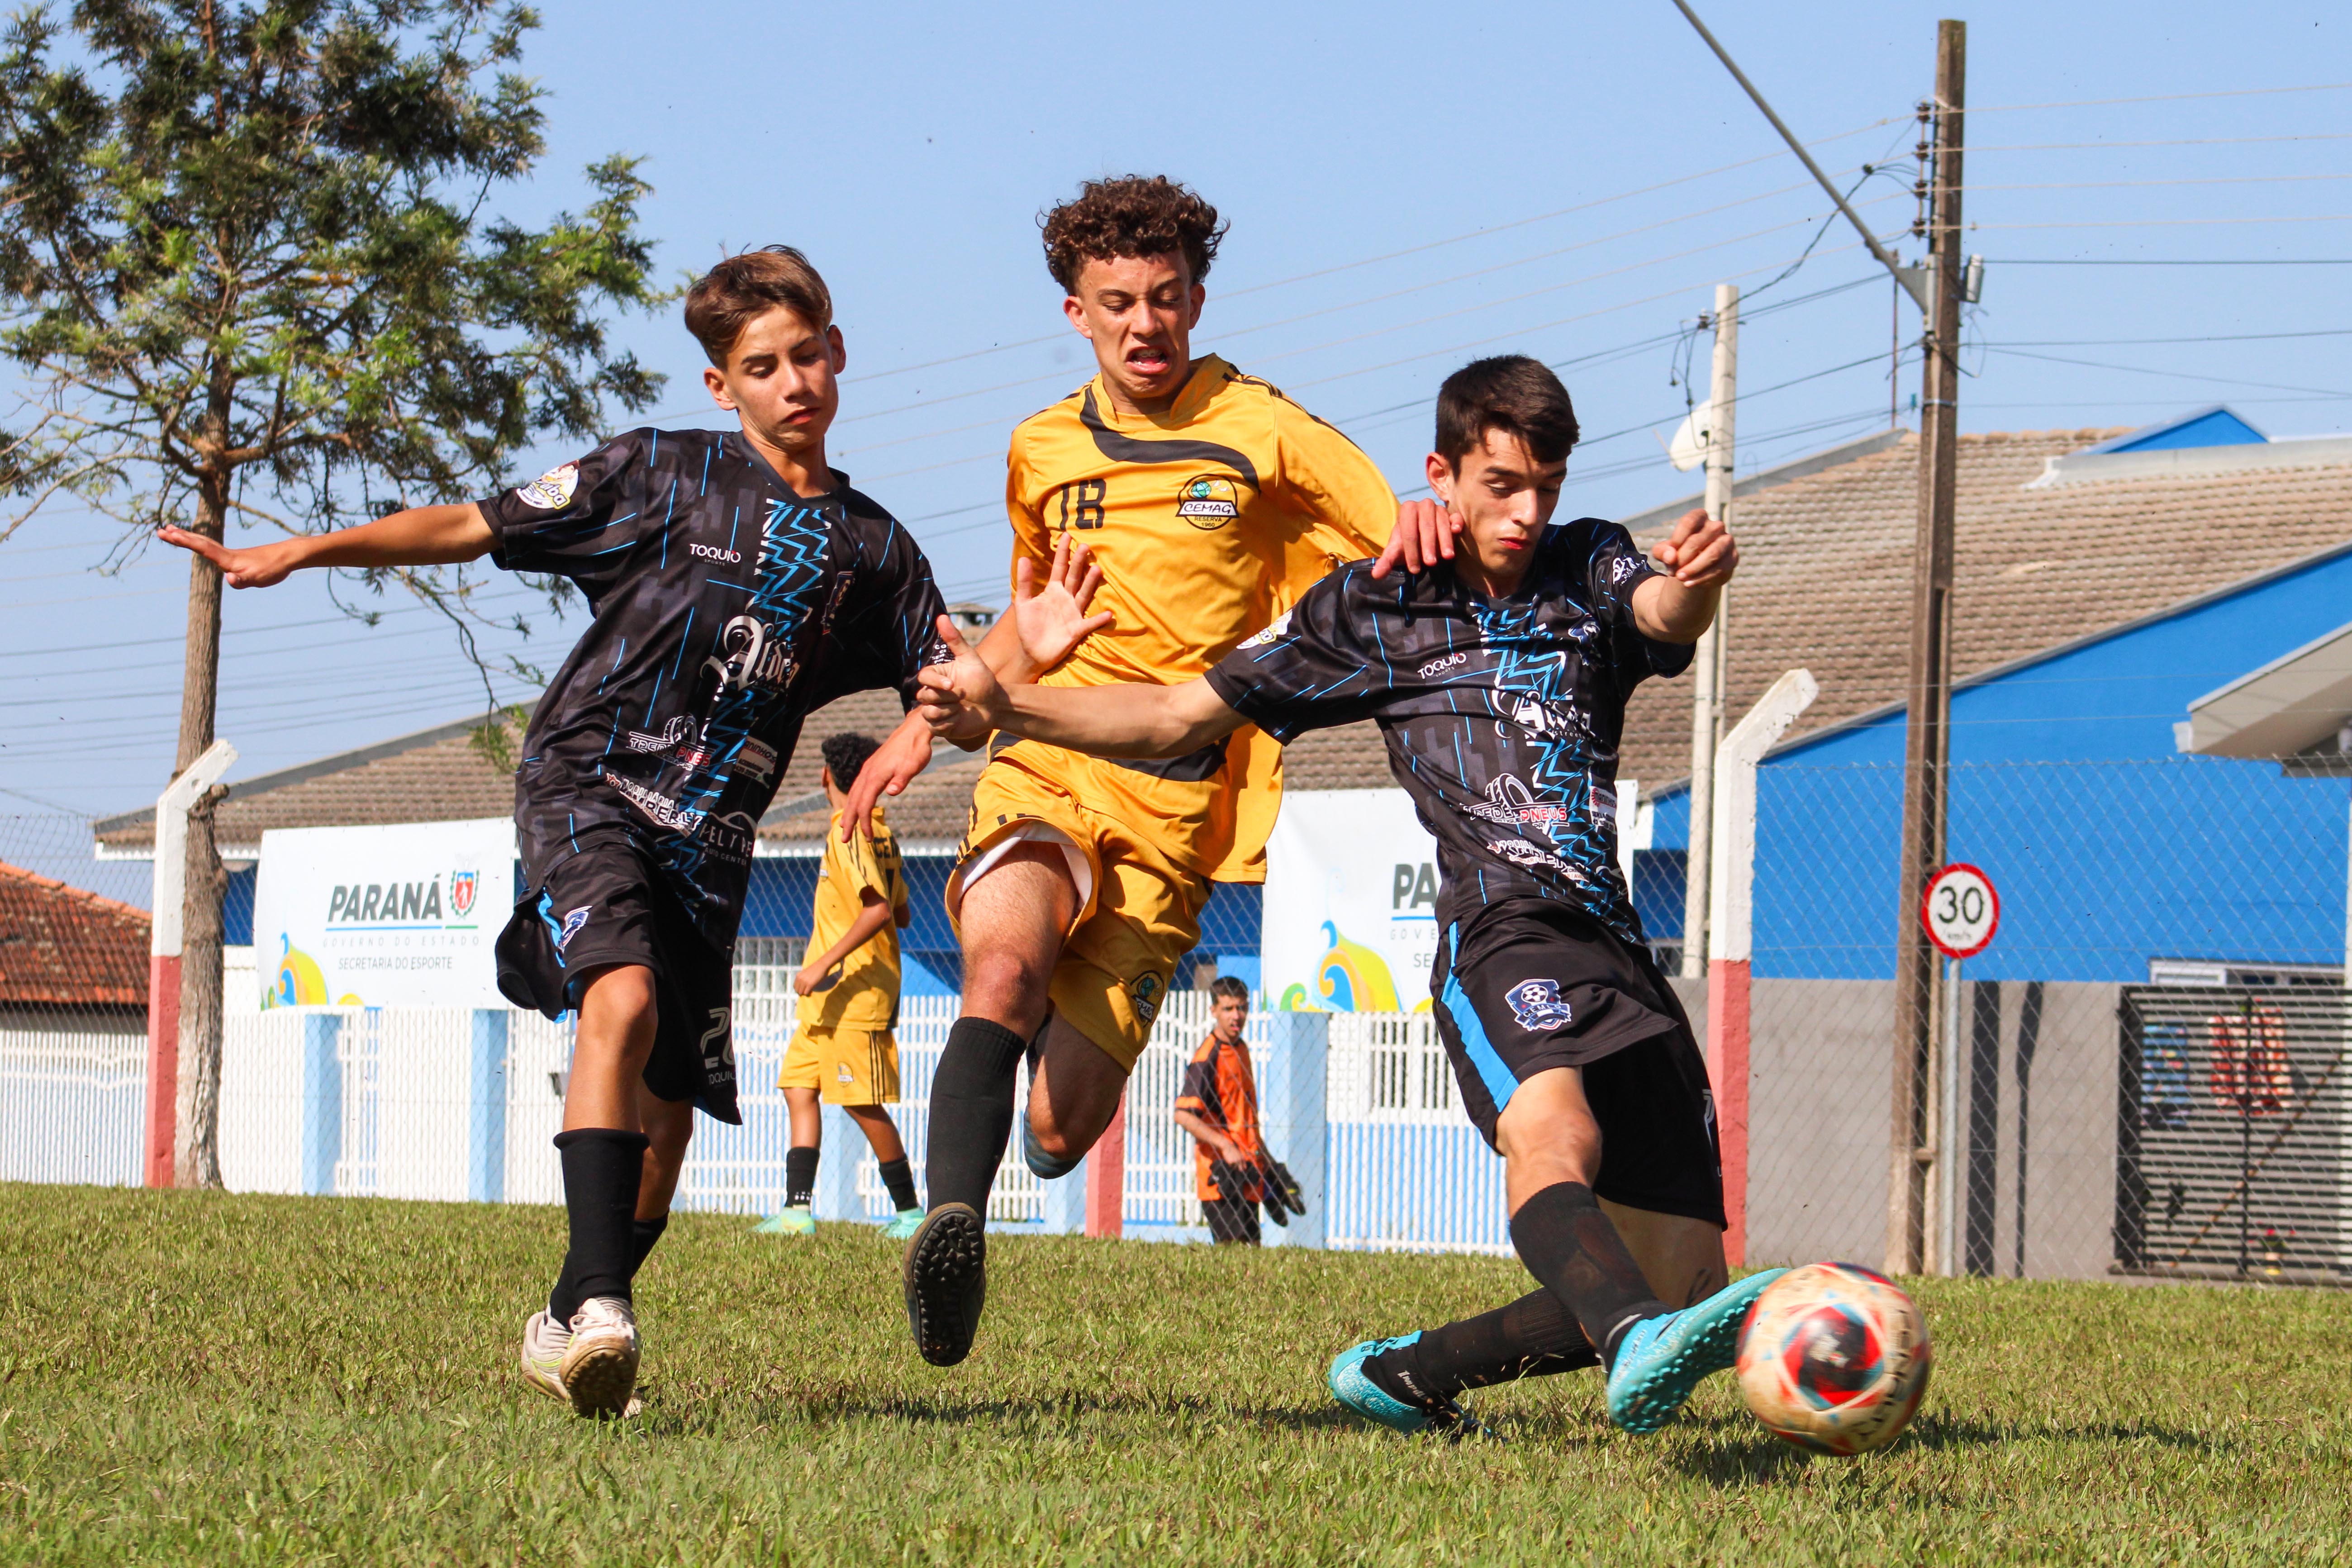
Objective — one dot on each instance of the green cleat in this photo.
(902, 1225)
(1661, 1359)
(794, 1221)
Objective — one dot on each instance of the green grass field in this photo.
(201, 1378)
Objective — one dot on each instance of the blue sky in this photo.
(1408, 186)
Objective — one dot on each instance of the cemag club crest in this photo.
(461, 891)
(1209, 501)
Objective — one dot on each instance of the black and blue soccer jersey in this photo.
(1502, 717)
(726, 608)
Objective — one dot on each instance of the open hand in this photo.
(1052, 617)
(903, 754)
(959, 700)
(1699, 552)
(256, 566)
(1423, 536)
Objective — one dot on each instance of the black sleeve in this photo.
(888, 630)
(1318, 667)
(1614, 568)
(579, 521)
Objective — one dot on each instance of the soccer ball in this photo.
(1833, 1358)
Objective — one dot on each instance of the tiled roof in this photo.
(1824, 582)
(435, 776)
(1825, 569)
(62, 946)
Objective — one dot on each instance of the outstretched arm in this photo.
(1045, 623)
(1699, 557)
(964, 698)
(420, 536)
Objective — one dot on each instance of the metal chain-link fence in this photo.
(2140, 1074)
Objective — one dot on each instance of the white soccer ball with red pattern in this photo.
(1833, 1358)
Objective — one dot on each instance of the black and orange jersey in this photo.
(1220, 1090)
(1209, 519)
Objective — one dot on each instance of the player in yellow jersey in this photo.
(1210, 503)
(844, 1051)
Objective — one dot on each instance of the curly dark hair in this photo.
(846, 754)
(1136, 215)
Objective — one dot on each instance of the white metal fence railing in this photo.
(392, 1104)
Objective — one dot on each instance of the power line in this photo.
(2180, 261)
(2174, 374)
(1408, 250)
(2211, 338)
(2161, 142)
(2133, 184)
(2162, 98)
(2166, 222)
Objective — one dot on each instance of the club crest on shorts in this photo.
(1539, 1006)
(1145, 989)
(571, 926)
(553, 489)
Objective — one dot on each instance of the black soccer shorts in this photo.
(1526, 985)
(605, 903)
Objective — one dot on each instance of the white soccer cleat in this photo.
(598, 1369)
(544, 1343)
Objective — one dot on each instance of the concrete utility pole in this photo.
(1708, 663)
(1927, 690)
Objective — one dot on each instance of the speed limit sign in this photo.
(1960, 911)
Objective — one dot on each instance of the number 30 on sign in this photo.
(1960, 911)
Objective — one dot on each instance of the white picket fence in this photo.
(401, 1118)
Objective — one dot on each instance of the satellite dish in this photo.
(1688, 448)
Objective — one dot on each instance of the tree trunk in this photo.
(196, 1150)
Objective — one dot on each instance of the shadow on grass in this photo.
(1727, 1457)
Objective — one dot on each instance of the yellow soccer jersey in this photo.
(1209, 519)
(862, 993)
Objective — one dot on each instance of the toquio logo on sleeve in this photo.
(553, 489)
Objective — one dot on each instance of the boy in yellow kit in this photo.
(1210, 502)
(842, 1050)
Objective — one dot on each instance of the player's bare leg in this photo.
(584, 1345)
(1072, 1098)
(1013, 919)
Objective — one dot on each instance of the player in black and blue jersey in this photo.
(1500, 680)
(738, 583)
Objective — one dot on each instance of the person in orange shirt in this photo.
(1218, 1106)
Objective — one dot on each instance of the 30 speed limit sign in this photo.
(1960, 911)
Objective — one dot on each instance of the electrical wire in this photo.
(1975, 148)
(2166, 222)
(2161, 97)
(2211, 338)
(2174, 261)
(2173, 375)
(2134, 184)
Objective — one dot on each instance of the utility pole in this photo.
(1927, 690)
(1708, 663)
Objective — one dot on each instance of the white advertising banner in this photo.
(400, 916)
(1351, 912)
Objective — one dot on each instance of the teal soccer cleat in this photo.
(902, 1225)
(1661, 1359)
(1356, 1390)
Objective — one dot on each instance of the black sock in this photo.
(1574, 1251)
(602, 1169)
(800, 1177)
(899, 1177)
(971, 1111)
(643, 1235)
(1535, 1336)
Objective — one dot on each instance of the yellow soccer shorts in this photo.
(1140, 912)
(849, 1064)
